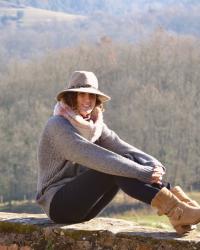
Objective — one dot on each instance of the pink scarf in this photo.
(90, 129)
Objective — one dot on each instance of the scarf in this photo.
(90, 128)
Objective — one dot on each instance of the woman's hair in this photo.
(70, 98)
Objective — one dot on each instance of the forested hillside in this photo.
(146, 56)
(155, 104)
(28, 32)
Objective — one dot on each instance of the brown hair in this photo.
(70, 98)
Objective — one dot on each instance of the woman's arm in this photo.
(110, 140)
(72, 146)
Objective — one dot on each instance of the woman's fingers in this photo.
(156, 177)
(156, 180)
(158, 170)
(157, 174)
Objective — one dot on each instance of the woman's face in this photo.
(85, 103)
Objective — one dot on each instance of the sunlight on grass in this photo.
(147, 216)
(144, 219)
(195, 196)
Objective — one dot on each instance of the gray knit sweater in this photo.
(63, 154)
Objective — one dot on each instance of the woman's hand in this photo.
(157, 175)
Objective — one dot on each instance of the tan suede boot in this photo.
(178, 212)
(182, 196)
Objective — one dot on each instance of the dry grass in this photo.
(147, 216)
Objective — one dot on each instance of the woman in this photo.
(83, 164)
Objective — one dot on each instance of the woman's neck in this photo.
(86, 117)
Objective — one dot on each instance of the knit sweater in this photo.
(63, 154)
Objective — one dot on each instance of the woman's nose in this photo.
(87, 98)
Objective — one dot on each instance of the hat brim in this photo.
(101, 95)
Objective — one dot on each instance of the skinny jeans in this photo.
(87, 195)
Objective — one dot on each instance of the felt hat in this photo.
(85, 82)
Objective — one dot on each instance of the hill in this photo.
(28, 16)
(114, 7)
(179, 16)
(29, 28)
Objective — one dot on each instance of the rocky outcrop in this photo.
(32, 231)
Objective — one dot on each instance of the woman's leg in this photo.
(134, 188)
(138, 189)
(84, 197)
(101, 204)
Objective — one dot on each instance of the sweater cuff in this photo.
(145, 174)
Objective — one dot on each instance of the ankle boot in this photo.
(178, 212)
(182, 196)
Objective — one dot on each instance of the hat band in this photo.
(82, 86)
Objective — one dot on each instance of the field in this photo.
(122, 207)
(145, 215)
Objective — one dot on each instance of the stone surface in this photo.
(36, 231)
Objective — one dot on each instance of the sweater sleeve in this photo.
(72, 146)
(110, 140)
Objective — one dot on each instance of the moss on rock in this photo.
(100, 233)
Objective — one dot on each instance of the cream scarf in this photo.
(90, 129)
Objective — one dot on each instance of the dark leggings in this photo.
(84, 197)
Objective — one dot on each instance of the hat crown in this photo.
(83, 82)
(81, 79)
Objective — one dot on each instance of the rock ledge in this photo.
(36, 231)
